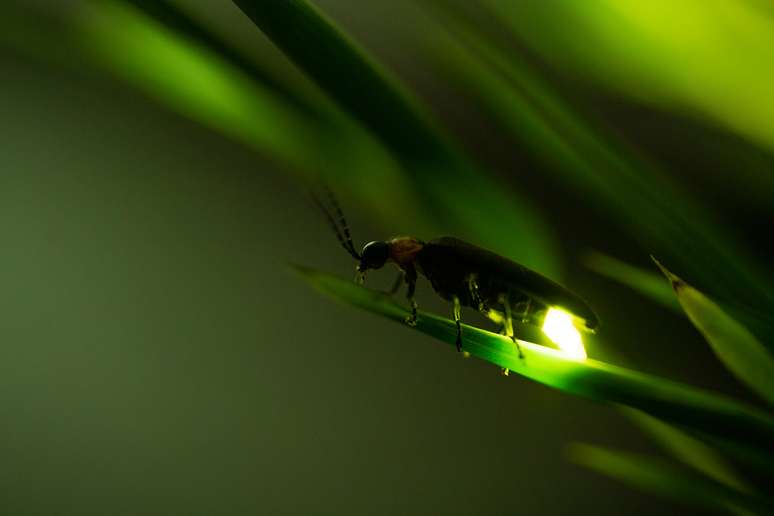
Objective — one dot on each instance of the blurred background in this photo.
(157, 355)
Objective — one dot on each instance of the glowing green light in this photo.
(559, 328)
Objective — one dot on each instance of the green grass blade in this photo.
(460, 197)
(654, 476)
(640, 50)
(750, 457)
(688, 449)
(172, 62)
(740, 351)
(652, 286)
(674, 402)
(647, 283)
(347, 74)
(170, 15)
(591, 159)
(193, 81)
(335, 147)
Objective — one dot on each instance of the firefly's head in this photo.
(374, 255)
(401, 250)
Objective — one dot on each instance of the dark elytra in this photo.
(447, 262)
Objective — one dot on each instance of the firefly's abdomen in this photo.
(449, 263)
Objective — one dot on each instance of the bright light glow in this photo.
(559, 328)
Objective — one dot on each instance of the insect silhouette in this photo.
(465, 275)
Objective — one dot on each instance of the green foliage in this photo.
(181, 22)
(646, 50)
(152, 58)
(688, 449)
(681, 404)
(575, 148)
(733, 344)
(441, 174)
(645, 282)
(649, 401)
(660, 478)
(362, 130)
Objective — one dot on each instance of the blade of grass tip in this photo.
(645, 282)
(685, 447)
(453, 191)
(591, 158)
(740, 351)
(688, 449)
(655, 476)
(674, 402)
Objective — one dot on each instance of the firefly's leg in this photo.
(457, 310)
(398, 282)
(525, 315)
(473, 291)
(508, 324)
(411, 280)
(497, 318)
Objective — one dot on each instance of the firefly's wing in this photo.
(447, 261)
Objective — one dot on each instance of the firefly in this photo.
(467, 275)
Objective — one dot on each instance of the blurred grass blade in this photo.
(689, 450)
(193, 81)
(177, 20)
(754, 458)
(685, 447)
(686, 56)
(330, 145)
(458, 196)
(668, 400)
(734, 345)
(651, 285)
(593, 161)
(647, 283)
(185, 70)
(347, 74)
(657, 477)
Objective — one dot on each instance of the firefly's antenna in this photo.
(342, 223)
(341, 229)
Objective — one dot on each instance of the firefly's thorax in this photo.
(400, 250)
(403, 250)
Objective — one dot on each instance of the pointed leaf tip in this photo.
(674, 279)
(735, 345)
